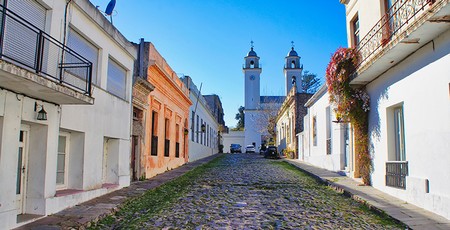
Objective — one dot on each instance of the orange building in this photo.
(166, 144)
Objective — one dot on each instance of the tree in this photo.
(265, 121)
(240, 117)
(310, 82)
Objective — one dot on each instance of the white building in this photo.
(405, 54)
(325, 142)
(81, 150)
(258, 109)
(203, 132)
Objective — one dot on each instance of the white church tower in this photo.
(252, 71)
(293, 71)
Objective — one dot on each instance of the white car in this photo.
(250, 149)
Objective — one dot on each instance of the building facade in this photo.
(65, 119)
(289, 121)
(204, 129)
(326, 142)
(258, 109)
(140, 139)
(405, 51)
(168, 115)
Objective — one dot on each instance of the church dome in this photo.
(292, 53)
(251, 53)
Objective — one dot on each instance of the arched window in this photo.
(294, 80)
(252, 64)
(293, 64)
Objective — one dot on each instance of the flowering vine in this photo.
(352, 105)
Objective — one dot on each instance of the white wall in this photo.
(109, 118)
(200, 149)
(421, 84)
(233, 137)
(317, 154)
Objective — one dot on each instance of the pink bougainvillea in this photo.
(352, 104)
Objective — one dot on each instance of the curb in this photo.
(346, 193)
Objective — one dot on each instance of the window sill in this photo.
(67, 192)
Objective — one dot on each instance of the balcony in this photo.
(396, 172)
(407, 26)
(37, 65)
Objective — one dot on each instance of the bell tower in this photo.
(252, 71)
(293, 71)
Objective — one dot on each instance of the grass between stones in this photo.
(138, 209)
(328, 193)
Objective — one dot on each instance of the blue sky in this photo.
(208, 39)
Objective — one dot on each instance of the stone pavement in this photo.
(246, 191)
(78, 216)
(411, 215)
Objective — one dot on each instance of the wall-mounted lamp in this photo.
(41, 115)
(203, 127)
(186, 131)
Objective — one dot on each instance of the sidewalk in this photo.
(79, 216)
(411, 215)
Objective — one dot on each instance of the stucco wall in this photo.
(421, 84)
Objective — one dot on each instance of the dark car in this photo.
(235, 148)
(271, 152)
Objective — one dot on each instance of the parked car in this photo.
(262, 149)
(235, 148)
(271, 152)
(250, 149)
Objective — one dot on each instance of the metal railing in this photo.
(25, 45)
(400, 14)
(396, 172)
(177, 149)
(166, 147)
(154, 150)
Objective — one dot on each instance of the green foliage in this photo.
(352, 104)
(137, 210)
(241, 121)
(310, 82)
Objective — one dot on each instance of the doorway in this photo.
(22, 168)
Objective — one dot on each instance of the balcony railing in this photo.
(396, 172)
(25, 45)
(392, 23)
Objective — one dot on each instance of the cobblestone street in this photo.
(245, 191)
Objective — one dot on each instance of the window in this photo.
(166, 137)
(196, 132)
(293, 65)
(62, 161)
(177, 140)
(117, 79)
(252, 64)
(154, 150)
(201, 133)
(314, 130)
(328, 130)
(86, 49)
(192, 126)
(400, 153)
(208, 134)
(355, 31)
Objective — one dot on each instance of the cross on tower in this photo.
(292, 42)
(251, 42)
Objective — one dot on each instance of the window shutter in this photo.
(86, 49)
(116, 79)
